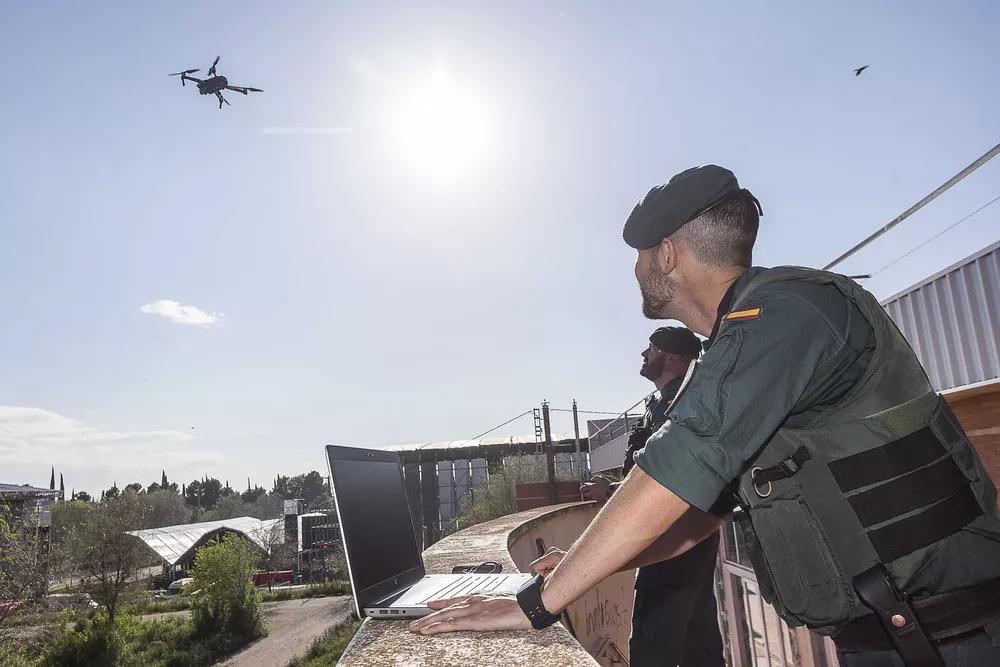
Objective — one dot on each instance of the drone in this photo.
(215, 84)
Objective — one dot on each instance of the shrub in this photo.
(83, 641)
(172, 642)
(226, 600)
(496, 497)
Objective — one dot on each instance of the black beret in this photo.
(684, 197)
(676, 339)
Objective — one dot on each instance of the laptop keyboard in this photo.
(466, 585)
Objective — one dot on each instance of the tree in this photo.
(203, 493)
(193, 493)
(66, 520)
(280, 487)
(279, 555)
(229, 507)
(82, 495)
(267, 506)
(310, 487)
(23, 569)
(164, 508)
(106, 555)
(252, 495)
(113, 492)
(134, 486)
(223, 573)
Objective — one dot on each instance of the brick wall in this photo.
(980, 417)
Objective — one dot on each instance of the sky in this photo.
(414, 232)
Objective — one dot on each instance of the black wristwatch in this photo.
(529, 598)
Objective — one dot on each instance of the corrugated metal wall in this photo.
(952, 320)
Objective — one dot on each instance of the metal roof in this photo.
(26, 490)
(174, 543)
(480, 442)
(952, 320)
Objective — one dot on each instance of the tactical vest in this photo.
(884, 476)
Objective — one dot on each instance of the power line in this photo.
(620, 414)
(936, 236)
(526, 412)
(983, 159)
(585, 412)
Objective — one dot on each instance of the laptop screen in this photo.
(374, 516)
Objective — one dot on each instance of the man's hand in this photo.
(475, 612)
(547, 562)
(599, 488)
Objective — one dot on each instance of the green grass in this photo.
(322, 590)
(134, 642)
(182, 602)
(150, 605)
(328, 647)
(172, 642)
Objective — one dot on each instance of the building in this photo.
(440, 477)
(608, 441)
(27, 511)
(176, 545)
(952, 320)
(29, 503)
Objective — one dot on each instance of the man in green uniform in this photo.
(871, 516)
(674, 618)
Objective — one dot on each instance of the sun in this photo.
(443, 129)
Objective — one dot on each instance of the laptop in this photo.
(387, 573)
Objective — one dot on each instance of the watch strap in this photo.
(529, 598)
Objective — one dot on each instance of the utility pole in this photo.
(576, 441)
(983, 159)
(550, 461)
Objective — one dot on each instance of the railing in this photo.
(600, 620)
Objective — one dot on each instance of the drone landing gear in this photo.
(222, 99)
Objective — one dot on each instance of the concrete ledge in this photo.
(381, 643)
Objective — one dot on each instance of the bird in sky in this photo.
(859, 70)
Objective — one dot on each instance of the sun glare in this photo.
(443, 129)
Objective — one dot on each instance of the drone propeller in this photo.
(244, 89)
(183, 75)
(211, 70)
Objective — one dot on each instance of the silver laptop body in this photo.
(387, 573)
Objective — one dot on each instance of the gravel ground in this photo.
(293, 625)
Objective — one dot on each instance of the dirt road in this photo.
(292, 627)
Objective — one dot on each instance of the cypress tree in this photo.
(52, 479)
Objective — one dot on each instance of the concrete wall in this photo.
(602, 619)
(598, 617)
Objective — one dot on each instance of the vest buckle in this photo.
(756, 488)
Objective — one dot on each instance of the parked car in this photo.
(176, 587)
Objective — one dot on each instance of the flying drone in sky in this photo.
(215, 84)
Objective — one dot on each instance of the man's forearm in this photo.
(692, 528)
(632, 520)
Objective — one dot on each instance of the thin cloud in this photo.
(31, 439)
(181, 314)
